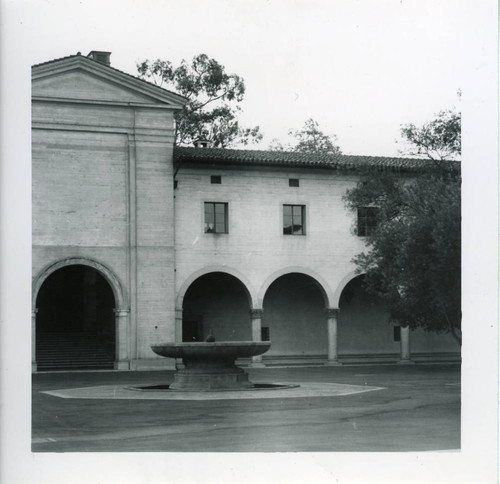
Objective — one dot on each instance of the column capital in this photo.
(332, 312)
(33, 312)
(121, 312)
(256, 313)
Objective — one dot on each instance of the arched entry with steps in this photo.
(76, 318)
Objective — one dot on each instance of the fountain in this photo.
(210, 366)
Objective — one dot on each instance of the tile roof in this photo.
(52, 61)
(57, 60)
(311, 160)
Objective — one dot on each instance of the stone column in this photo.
(405, 346)
(33, 340)
(333, 358)
(178, 325)
(122, 359)
(256, 315)
(178, 335)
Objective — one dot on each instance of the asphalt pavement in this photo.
(411, 408)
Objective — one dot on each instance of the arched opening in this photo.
(216, 303)
(75, 322)
(294, 317)
(364, 327)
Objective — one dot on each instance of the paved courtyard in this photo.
(335, 409)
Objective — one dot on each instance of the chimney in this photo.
(202, 143)
(100, 56)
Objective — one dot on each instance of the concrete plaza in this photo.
(369, 408)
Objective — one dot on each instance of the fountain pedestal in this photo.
(211, 366)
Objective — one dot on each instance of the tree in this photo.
(308, 139)
(213, 100)
(439, 139)
(413, 257)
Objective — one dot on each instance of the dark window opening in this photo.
(397, 333)
(215, 218)
(216, 179)
(293, 182)
(265, 333)
(367, 220)
(294, 219)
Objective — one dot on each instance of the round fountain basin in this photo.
(215, 350)
(211, 366)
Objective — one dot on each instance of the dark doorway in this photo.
(217, 303)
(75, 323)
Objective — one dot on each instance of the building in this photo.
(137, 242)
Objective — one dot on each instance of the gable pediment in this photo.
(83, 79)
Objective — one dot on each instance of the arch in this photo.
(364, 324)
(209, 269)
(110, 277)
(342, 284)
(322, 284)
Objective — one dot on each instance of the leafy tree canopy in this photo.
(438, 139)
(213, 100)
(413, 256)
(308, 139)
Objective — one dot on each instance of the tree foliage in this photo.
(213, 95)
(439, 139)
(413, 256)
(308, 139)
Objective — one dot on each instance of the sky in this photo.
(361, 68)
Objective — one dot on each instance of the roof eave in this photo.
(284, 164)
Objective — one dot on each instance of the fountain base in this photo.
(197, 379)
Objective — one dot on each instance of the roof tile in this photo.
(312, 160)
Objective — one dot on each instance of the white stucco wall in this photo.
(255, 244)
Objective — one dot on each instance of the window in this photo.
(215, 218)
(294, 219)
(216, 179)
(293, 182)
(367, 220)
(397, 333)
(264, 333)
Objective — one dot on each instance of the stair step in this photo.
(56, 351)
